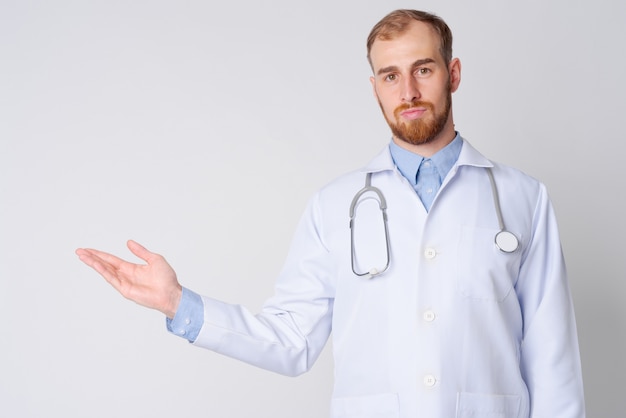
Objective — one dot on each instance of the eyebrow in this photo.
(393, 68)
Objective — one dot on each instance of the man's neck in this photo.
(430, 148)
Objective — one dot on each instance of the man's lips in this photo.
(413, 113)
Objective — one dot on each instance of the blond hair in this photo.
(398, 21)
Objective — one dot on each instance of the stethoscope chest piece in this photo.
(506, 241)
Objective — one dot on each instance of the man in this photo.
(429, 317)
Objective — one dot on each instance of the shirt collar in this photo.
(408, 163)
(468, 156)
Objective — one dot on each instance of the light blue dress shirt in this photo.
(424, 174)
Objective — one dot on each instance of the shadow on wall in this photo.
(601, 333)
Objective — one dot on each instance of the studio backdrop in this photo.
(201, 129)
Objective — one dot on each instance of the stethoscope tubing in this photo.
(382, 203)
(504, 240)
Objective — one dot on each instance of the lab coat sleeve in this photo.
(550, 360)
(290, 332)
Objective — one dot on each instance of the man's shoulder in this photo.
(514, 174)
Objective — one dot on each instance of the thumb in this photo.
(140, 251)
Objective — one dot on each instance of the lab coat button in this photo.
(429, 316)
(429, 380)
(430, 253)
(187, 321)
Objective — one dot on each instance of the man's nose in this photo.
(410, 90)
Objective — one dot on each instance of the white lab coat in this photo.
(454, 328)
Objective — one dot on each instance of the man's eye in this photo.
(423, 71)
(391, 77)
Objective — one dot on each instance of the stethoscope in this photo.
(504, 240)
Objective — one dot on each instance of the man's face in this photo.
(414, 85)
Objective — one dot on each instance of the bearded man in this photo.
(430, 315)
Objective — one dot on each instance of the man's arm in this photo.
(286, 337)
(550, 358)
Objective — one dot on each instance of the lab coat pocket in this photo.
(384, 405)
(485, 272)
(478, 405)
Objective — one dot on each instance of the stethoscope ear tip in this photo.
(371, 274)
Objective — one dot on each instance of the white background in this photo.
(201, 128)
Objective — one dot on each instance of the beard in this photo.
(423, 130)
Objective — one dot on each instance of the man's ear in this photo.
(454, 70)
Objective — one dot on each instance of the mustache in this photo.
(413, 104)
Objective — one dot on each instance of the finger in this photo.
(106, 270)
(114, 270)
(90, 253)
(140, 251)
(87, 256)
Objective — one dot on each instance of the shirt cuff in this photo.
(189, 317)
